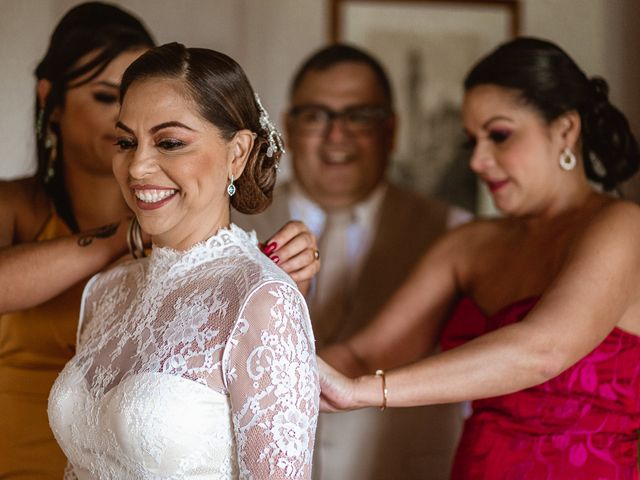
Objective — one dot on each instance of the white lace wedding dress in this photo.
(190, 365)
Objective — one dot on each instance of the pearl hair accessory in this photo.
(273, 135)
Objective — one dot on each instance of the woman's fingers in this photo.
(288, 232)
(326, 406)
(294, 249)
(336, 389)
(301, 267)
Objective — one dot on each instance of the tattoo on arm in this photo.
(107, 231)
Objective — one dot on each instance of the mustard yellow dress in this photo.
(35, 344)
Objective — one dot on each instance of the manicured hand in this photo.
(294, 249)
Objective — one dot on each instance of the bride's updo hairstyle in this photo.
(551, 82)
(219, 88)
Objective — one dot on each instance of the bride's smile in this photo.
(173, 165)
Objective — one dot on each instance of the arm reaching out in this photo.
(407, 328)
(33, 273)
(595, 291)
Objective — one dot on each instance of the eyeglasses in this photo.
(316, 119)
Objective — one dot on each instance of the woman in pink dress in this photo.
(543, 303)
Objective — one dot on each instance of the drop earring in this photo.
(231, 188)
(51, 145)
(567, 160)
(39, 124)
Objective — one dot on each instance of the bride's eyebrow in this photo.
(169, 125)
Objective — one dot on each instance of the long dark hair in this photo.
(88, 27)
(222, 93)
(551, 82)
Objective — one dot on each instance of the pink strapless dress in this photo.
(582, 424)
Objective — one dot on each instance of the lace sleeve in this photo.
(272, 379)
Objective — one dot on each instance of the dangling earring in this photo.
(51, 145)
(39, 124)
(231, 188)
(567, 160)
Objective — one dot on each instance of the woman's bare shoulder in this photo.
(616, 207)
(24, 207)
(614, 218)
(609, 234)
(21, 190)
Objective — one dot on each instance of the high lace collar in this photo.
(225, 242)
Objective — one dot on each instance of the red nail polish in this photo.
(270, 248)
(275, 259)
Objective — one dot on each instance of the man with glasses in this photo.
(340, 132)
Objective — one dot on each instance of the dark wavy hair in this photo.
(88, 27)
(221, 91)
(551, 82)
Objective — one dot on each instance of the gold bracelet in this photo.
(380, 373)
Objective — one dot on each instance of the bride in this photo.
(197, 361)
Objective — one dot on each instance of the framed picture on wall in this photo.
(427, 47)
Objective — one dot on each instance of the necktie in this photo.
(329, 305)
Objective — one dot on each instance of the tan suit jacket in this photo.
(403, 444)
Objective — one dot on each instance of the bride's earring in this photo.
(231, 188)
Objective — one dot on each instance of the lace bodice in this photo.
(196, 364)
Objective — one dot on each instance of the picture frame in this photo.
(427, 47)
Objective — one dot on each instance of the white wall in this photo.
(270, 37)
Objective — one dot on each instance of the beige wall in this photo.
(23, 34)
(603, 36)
(270, 37)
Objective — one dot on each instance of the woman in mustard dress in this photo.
(44, 259)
